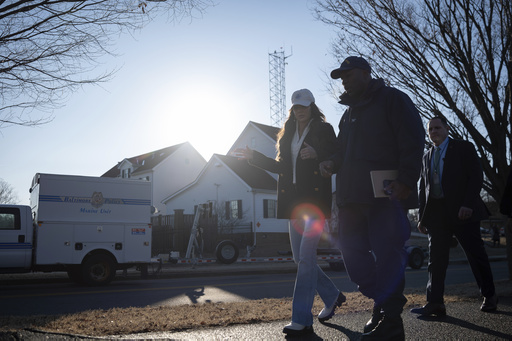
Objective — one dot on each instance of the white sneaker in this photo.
(294, 326)
(328, 312)
(297, 329)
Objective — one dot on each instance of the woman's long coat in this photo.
(311, 187)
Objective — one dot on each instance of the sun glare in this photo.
(206, 114)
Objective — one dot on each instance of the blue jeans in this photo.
(304, 238)
(372, 239)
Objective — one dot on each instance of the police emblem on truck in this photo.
(97, 200)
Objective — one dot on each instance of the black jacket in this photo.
(506, 198)
(461, 180)
(310, 187)
(381, 131)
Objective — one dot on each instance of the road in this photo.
(64, 297)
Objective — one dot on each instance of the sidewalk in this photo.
(464, 322)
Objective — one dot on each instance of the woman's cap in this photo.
(302, 97)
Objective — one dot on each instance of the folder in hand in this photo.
(378, 178)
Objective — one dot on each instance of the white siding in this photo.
(255, 139)
(172, 174)
(268, 225)
(218, 184)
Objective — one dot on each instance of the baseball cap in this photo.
(303, 97)
(352, 62)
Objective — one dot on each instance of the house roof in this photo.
(269, 130)
(145, 161)
(254, 177)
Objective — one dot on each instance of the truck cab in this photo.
(16, 238)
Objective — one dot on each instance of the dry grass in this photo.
(140, 320)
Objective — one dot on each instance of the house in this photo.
(259, 137)
(239, 193)
(169, 169)
(242, 196)
(226, 176)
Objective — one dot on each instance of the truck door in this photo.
(15, 237)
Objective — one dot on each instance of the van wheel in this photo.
(416, 258)
(226, 252)
(98, 270)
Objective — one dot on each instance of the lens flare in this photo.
(312, 217)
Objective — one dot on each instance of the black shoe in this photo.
(430, 309)
(377, 316)
(389, 328)
(295, 329)
(328, 312)
(490, 303)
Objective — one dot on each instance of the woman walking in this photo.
(304, 197)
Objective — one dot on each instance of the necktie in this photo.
(437, 191)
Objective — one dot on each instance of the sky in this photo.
(199, 81)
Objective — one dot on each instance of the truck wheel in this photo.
(416, 258)
(226, 252)
(98, 270)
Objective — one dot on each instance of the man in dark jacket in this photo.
(450, 205)
(506, 209)
(380, 130)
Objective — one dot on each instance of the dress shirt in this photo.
(443, 146)
(295, 147)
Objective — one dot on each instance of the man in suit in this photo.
(450, 205)
(506, 209)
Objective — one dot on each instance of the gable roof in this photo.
(268, 130)
(145, 161)
(254, 177)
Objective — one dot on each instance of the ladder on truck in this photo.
(226, 251)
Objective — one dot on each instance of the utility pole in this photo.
(277, 62)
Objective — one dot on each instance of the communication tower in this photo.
(277, 62)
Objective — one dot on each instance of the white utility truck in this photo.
(87, 226)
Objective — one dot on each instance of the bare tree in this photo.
(7, 193)
(49, 48)
(453, 56)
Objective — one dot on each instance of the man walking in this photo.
(380, 130)
(450, 205)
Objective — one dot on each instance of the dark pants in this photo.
(440, 235)
(372, 239)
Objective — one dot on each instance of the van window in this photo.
(9, 218)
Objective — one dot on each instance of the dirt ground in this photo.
(150, 319)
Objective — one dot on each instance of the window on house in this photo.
(269, 208)
(234, 209)
(126, 173)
